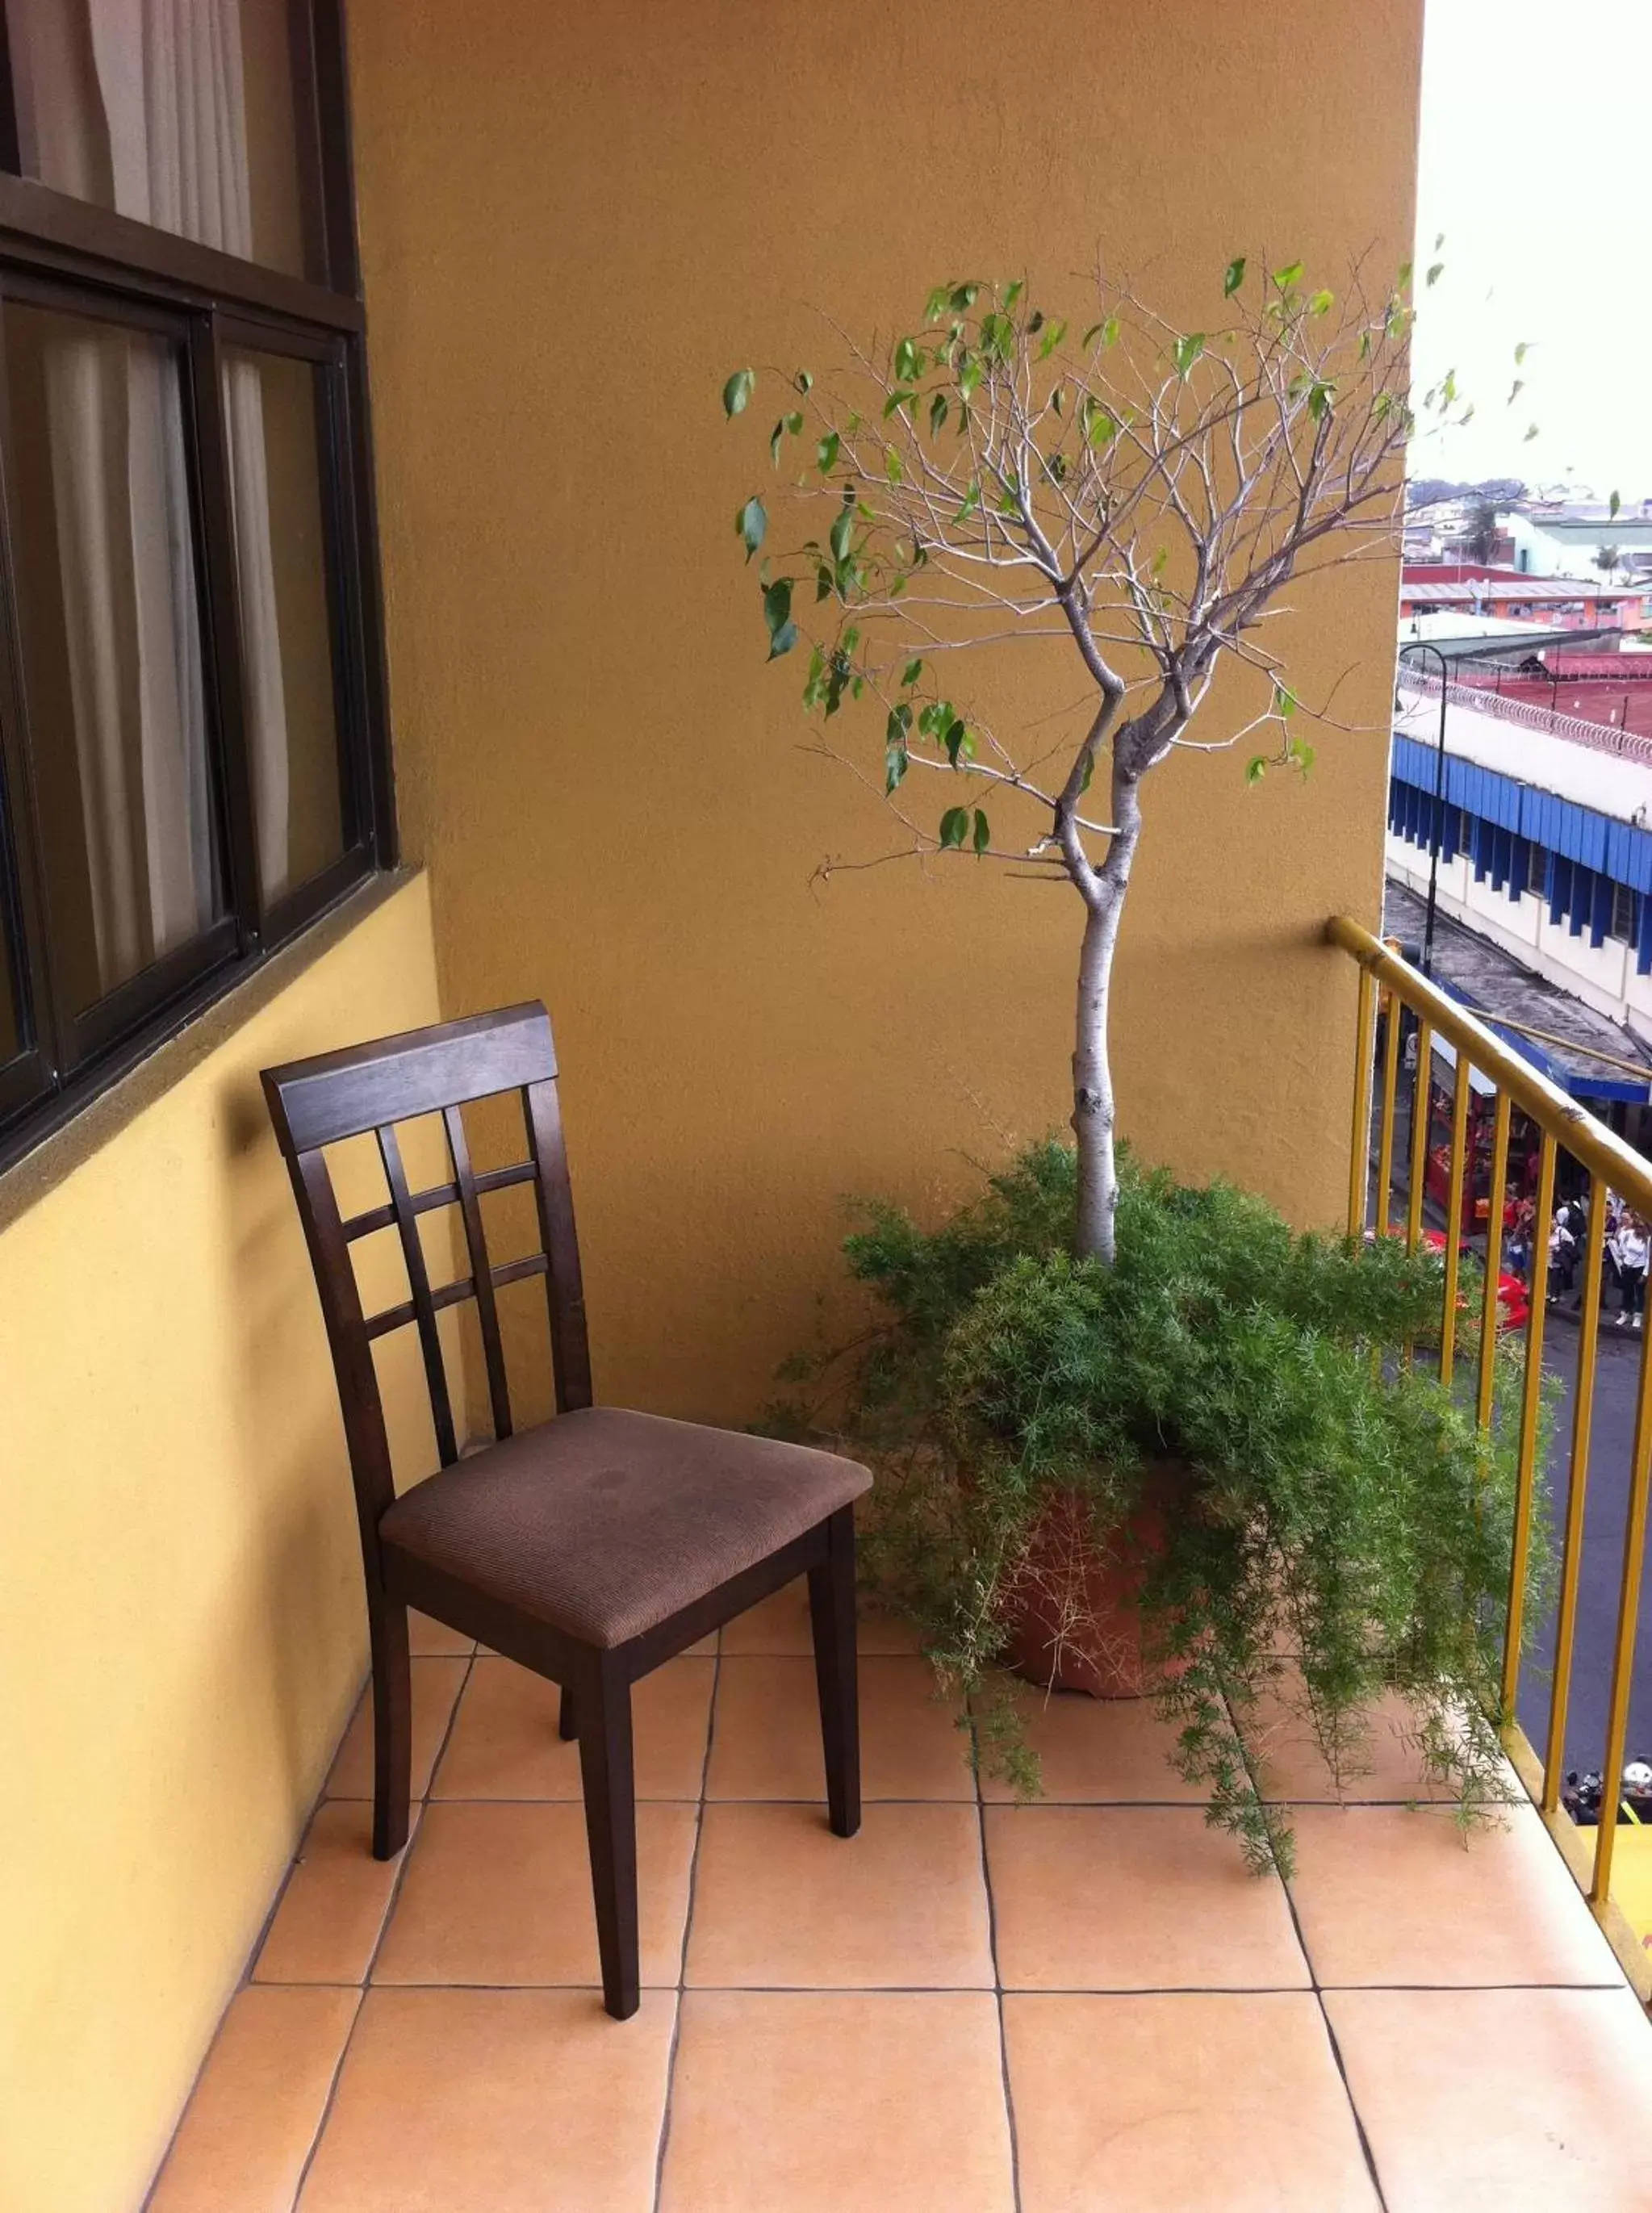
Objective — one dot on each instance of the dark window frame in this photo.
(73, 255)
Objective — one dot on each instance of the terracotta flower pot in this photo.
(1074, 1609)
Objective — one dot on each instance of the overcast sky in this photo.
(1535, 121)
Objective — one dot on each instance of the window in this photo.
(1623, 913)
(192, 758)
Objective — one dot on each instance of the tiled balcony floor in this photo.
(972, 2007)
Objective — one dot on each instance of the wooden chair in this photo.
(591, 1547)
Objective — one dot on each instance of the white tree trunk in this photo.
(1094, 1106)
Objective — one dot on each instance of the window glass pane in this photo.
(271, 409)
(103, 542)
(180, 116)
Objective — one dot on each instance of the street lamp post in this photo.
(1421, 645)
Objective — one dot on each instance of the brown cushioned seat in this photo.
(604, 1523)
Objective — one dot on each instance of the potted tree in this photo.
(1137, 496)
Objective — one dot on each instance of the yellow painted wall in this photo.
(182, 1630)
(576, 220)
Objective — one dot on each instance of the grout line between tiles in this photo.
(998, 1973)
(415, 1823)
(1357, 2117)
(688, 1924)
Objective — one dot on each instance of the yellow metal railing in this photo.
(1612, 1166)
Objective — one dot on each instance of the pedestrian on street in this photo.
(1630, 1251)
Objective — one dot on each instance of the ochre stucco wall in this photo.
(575, 221)
(182, 1630)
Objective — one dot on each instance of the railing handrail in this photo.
(1619, 1166)
(1599, 737)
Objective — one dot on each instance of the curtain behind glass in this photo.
(141, 104)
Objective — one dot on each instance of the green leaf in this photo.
(1232, 277)
(937, 413)
(776, 602)
(1514, 391)
(936, 303)
(826, 453)
(823, 582)
(1188, 350)
(955, 826)
(897, 399)
(963, 297)
(1284, 700)
(1101, 429)
(971, 501)
(1530, 435)
(841, 533)
(909, 362)
(1404, 274)
(1255, 768)
(803, 381)
(1321, 303)
(910, 674)
(750, 524)
(955, 739)
(1319, 401)
(1054, 335)
(783, 640)
(894, 767)
(1013, 292)
(737, 391)
(892, 467)
(1612, 506)
(969, 376)
(982, 834)
(1521, 350)
(1289, 275)
(1437, 271)
(775, 436)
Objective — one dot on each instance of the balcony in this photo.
(565, 226)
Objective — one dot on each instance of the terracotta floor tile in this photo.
(779, 1625)
(1229, 2102)
(501, 1894)
(1386, 1765)
(810, 2101)
(1106, 1750)
(504, 1742)
(333, 1906)
(1501, 2101)
(436, 1686)
(257, 2104)
(428, 1639)
(781, 1902)
(1132, 1898)
(495, 2101)
(1387, 1894)
(767, 1740)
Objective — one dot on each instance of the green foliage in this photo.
(1336, 1500)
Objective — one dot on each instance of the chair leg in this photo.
(567, 1720)
(831, 1616)
(392, 1724)
(602, 1708)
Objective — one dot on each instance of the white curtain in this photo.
(141, 104)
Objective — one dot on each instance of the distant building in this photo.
(1545, 840)
(1513, 595)
(1570, 543)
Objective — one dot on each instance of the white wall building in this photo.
(1546, 850)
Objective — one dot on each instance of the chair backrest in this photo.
(372, 1087)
